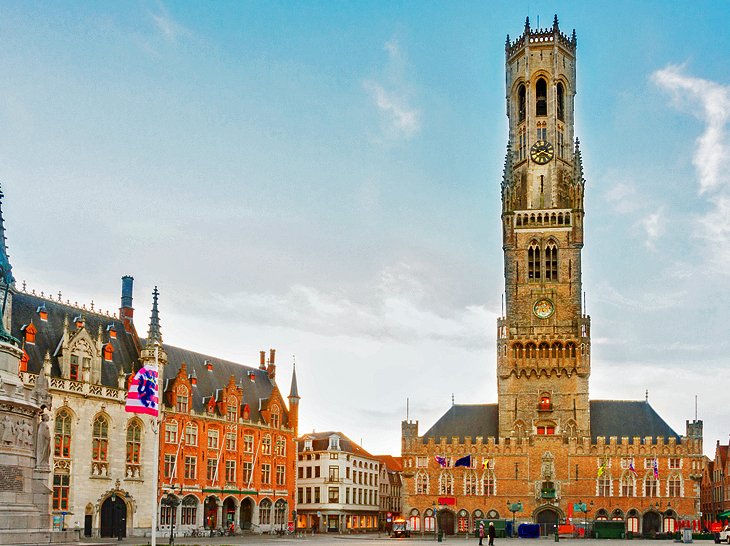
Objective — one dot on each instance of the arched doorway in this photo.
(446, 522)
(210, 513)
(246, 516)
(547, 518)
(229, 511)
(651, 523)
(113, 517)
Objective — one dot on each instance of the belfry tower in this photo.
(543, 346)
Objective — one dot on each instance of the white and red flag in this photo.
(143, 389)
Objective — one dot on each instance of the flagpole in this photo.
(156, 432)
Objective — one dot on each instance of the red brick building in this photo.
(715, 488)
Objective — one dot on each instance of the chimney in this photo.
(262, 361)
(271, 370)
(126, 311)
(272, 356)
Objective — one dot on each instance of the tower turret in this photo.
(294, 402)
(543, 360)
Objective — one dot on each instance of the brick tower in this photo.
(543, 360)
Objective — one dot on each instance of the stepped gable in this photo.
(255, 393)
(627, 418)
(50, 333)
(464, 420)
(321, 442)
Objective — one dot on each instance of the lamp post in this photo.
(282, 512)
(514, 507)
(435, 520)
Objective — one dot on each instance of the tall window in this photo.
(266, 473)
(561, 142)
(100, 439)
(541, 97)
(230, 471)
(627, 485)
(421, 483)
(247, 472)
(488, 483)
(181, 401)
(62, 435)
(522, 144)
(248, 443)
(446, 483)
(533, 261)
(212, 439)
(604, 486)
(191, 467)
(265, 512)
(169, 466)
(280, 448)
(551, 261)
(470, 483)
(231, 441)
(333, 494)
(275, 417)
(521, 103)
(266, 445)
(134, 443)
(189, 511)
(60, 491)
(674, 486)
(651, 486)
(74, 372)
(232, 409)
(560, 92)
(171, 432)
(280, 474)
(191, 434)
(542, 131)
(210, 470)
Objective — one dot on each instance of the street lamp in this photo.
(435, 520)
(514, 507)
(282, 512)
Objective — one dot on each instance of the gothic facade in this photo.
(545, 449)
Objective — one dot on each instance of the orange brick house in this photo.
(546, 453)
(227, 444)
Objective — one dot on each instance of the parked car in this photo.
(401, 528)
(723, 536)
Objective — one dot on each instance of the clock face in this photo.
(543, 308)
(541, 152)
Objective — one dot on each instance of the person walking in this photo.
(481, 533)
(491, 533)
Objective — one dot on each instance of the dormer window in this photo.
(79, 321)
(74, 371)
(181, 400)
(246, 412)
(275, 417)
(30, 332)
(193, 379)
(232, 409)
(112, 331)
(24, 359)
(308, 444)
(108, 352)
(334, 443)
(252, 377)
(209, 365)
(42, 312)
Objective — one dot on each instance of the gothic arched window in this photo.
(533, 261)
(421, 483)
(62, 435)
(470, 483)
(488, 483)
(541, 97)
(521, 103)
(551, 261)
(560, 91)
(134, 448)
(446, 483)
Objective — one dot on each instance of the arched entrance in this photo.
(210, 513)
(113, 517)
(446, 522)
(246, 513)
(229, 511)
(548, 518)
(651, 523)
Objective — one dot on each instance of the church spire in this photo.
(6, 270)
(154, 334)
(294, 391)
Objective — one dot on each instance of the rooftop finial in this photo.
(527, 25)
(555, 23)
(154, 334)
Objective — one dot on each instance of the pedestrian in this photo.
(491, 533)
(481, 533)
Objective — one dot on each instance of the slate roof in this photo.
(466, 420)
(608, 418)
(255, 393)
(627, 418)
(393, 464)
(321, 441)
(25, 309)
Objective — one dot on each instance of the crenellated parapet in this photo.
(540, 36)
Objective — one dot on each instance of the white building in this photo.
(337, 484)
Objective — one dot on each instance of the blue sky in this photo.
(323, 178)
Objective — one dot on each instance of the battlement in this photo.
(540, 36)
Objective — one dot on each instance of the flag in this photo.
(655, 465)
(601, 469)
(486, 463)
(631, 468)
(142, 396)
(441, 461)
(464, 461)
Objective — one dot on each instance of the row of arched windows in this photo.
(649, 486)
(553, 351)
(472, 483)
(542, 263)
(541, 100)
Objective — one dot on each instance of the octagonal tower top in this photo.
(540, 36)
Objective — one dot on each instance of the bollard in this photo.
(557, 537)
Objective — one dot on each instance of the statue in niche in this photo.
(43, 443)
(8, 437)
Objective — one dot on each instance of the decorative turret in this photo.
(294, 402)
(7, 282)
(154, 336)
(539, 35)
(6, 270)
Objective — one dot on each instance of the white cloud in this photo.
(653, 225)
(399, 120)
(170, 29)
(710, 102)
